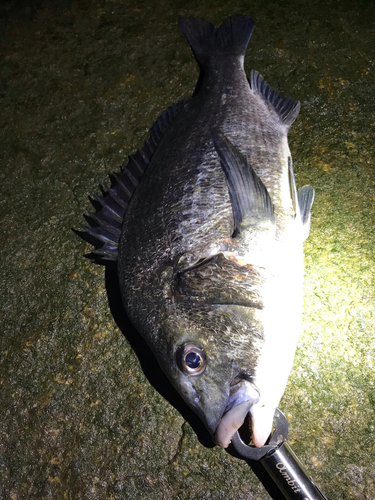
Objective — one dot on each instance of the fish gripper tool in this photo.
(280, 463)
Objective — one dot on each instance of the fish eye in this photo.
(191, 359)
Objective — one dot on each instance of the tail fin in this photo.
(205, 40)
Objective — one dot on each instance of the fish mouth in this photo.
(242, 396)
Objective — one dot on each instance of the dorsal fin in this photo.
(248, 194)
(106, 222)
(286, 107)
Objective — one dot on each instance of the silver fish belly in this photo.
(207, 226)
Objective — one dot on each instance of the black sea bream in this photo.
(207, 226)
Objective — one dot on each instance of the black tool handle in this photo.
(289, 475)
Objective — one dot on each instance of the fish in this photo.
(207, 227)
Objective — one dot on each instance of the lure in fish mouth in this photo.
(206, 226)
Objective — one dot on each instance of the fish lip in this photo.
(242, 396)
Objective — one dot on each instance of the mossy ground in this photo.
(86, 413)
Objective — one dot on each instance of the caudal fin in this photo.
(231, 38)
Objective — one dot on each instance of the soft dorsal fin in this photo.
(305, 200)
(248, 194)
(106, 222)
(286, 107)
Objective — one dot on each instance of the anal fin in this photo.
(286, 107)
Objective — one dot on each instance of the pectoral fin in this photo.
(249, 196)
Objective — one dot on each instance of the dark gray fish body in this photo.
(210, 248)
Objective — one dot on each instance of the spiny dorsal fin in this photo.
(105, 224)
(248, 194)
(231, 37)
(286, 107)
(305, 200)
